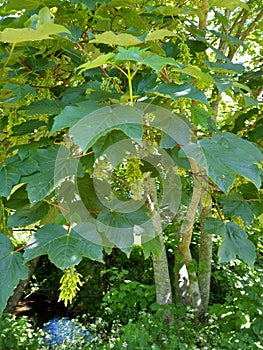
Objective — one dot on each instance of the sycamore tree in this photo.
(122, 121)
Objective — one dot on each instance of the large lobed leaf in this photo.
(12, 270)
(94, 125)
(55, 164)
(64, 249)
(12, 170)
(235, 243)
(43, 31)
(226, 155)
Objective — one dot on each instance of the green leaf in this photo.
(90, 128)
(117, 227)
(18, 199)
(176, 130)
(235, 205)
(43, 31)
(227, 68)
(133, 54)
(229, 4)
(121, 39)
(12, 170)
(28, 4)
(45, 106)
(158, 62)
(27, 127)
(235, 243)
(197, 73)
(12, 270)
(115, 145)
(64, 249)
(18, 91)
(28, 215)
(152, 246)
(72, 114)
(200, 116)
(172, 191)
(55, 164)
(92, 238)
(214, 226)
(97, 62)
(176, 91)
(159, 34)
(88, 194)
(226, 155)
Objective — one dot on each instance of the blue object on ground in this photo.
(63, 330)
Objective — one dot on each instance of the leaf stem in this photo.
(8, 59)
(130, 77)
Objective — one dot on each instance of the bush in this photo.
(17, 333)
(126, 298)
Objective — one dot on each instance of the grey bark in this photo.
(160, 263)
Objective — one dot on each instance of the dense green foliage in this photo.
(135, 127)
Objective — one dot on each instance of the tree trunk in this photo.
(160, 263)
(186, 237)
(205, 257)
(19, 290)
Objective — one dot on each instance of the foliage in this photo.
(125, 299)
(86, 87)
(17, 333)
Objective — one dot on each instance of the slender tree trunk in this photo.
(186, 237)
(19, 290)
(160, 263)
(205, 256)
(181, 279)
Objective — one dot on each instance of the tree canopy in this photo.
(120, 119)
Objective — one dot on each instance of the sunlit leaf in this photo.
(121, 39)
(97, 62)
(43, 31)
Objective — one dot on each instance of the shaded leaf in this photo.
(12, 170)
(214, 226)
(55, 164)
(12, 270)
(199, 116)
(45, 106)
(158, 62)
(28, 215)
(90, 128)
(235, 243)
(115, 145)
(235, 205)
(72, 114)
(27, 127)
(226, 155)
(64, 249)
(18, 91)
(117, 227)
(175, 91)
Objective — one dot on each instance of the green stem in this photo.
(129, 76)
(8, 59)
